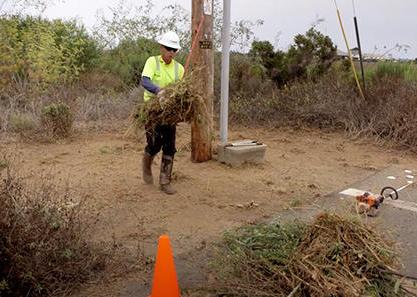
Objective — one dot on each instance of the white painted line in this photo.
(411, 206)
(408, 171)
(352, 192)
(410, 182)
(391, 177)
(406, 205)
(409, 176)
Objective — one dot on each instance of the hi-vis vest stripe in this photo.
(158, 67)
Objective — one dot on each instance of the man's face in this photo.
(168, 53)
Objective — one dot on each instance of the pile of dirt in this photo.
(333, 256)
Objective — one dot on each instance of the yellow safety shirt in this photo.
(161, 74)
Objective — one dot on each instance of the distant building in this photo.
(373, 57)
(355, 53)
(342, 55)
(366, 57)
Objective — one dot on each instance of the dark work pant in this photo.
(162, 136)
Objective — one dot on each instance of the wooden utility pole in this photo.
(203, 61)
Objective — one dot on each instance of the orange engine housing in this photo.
(370, 200)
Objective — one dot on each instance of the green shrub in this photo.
(21, 122)
(40, 52)
(311, 55)
(3, 164)
(57, 119)
(400, 70)
(128, 59)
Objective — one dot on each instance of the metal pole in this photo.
(359, 43)
(224, 104)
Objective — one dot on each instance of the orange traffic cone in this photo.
(165, 283)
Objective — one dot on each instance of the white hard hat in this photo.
(169, 39)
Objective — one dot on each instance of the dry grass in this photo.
(388, 113)
(43, 238)
(21, 113)
(333, 256)
(331, 102)
(183, 103)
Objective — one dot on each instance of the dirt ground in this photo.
(301, 167)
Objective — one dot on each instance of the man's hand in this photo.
(162, 98)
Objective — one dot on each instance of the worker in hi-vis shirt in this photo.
(159, 72)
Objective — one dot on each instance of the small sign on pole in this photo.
(206, 44)
(208, 7)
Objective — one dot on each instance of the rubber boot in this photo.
(165, 176)
(147, 168)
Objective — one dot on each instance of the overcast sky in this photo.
(383, 23)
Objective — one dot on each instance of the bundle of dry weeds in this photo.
(183, 103)
(333, 256)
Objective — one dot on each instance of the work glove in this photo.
(162, 98)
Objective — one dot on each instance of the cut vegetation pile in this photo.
(183, 103)
(333, 256)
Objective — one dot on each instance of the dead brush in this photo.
(57, 119)
(184, 102)
(332, 256)
(388, 114)
(43, 240)
(390, 111)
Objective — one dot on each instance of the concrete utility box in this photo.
(240, 152)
